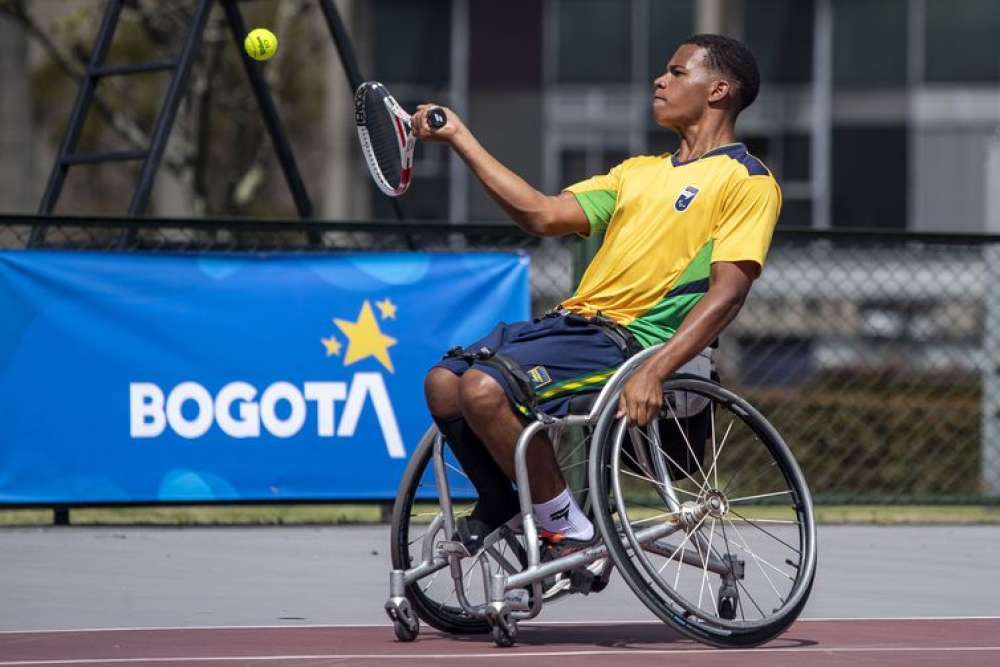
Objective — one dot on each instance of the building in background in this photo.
(19, 156)
(872, 114)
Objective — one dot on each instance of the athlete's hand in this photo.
(642, 397)
(423, 131)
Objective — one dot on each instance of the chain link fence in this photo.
(876, 355)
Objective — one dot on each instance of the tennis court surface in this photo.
(954, 641)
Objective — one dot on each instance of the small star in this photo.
(332, 346)
(387, 308)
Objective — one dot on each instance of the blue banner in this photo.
(151, 377)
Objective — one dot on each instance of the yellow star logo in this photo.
(388, 309)
(332, 345)
(365, 339)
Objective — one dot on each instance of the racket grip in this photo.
(436, 118)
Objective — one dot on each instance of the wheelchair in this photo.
(711, 527)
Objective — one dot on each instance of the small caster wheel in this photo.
(503, 637)
(504, 631)
(727, 608)
(406, 632)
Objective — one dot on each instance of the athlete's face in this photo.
(686, 89)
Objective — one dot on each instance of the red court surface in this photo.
(954, 641)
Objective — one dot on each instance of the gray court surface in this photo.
(62, 578)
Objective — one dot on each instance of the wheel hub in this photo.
(716, 504)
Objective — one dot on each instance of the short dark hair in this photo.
(731, 57)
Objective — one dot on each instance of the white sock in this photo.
(563, 515)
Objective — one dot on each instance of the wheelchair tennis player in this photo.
(685, 236)
(722, 551)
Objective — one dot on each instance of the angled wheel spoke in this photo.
(760, 473)
(573, 451)
(752, 600)
(787, 522)
(680, 548)
(700, 485)
(657, 483)
(760, 495)
(704, 571)
(713, 470)
(690, 449)
(573, 465)
(655, 517)
(763, 530)
(650, 479)
(759, 560)
(456, 469)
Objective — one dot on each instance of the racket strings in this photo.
(384, 137)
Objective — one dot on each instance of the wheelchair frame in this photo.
(502, 610)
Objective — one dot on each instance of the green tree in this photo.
(219, 149)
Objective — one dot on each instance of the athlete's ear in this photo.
(719, 90)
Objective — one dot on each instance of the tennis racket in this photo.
(385, 131)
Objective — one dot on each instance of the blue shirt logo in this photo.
(685, 198)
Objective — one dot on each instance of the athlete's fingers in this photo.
(643, 417)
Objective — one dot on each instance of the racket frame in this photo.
(405, 140)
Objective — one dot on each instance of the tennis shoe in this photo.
(556, 545)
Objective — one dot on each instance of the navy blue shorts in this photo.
(564, 355)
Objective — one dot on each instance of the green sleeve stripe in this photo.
(598, 205)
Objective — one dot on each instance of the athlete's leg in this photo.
(498, 502)
(488, 411)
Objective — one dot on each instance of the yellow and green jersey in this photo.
(664, 223)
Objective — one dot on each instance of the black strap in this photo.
(621, 336)
(523, 392)
(520, 384)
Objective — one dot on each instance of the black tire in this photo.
(405, 633)
(438, 613)
(631, 556)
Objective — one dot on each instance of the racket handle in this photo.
(436, 118)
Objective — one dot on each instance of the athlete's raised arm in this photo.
(533, 211)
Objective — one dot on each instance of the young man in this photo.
(685, 237)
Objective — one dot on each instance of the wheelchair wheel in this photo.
(713, 529)
(417, 530)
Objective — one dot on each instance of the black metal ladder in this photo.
(181, 66)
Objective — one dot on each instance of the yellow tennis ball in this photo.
(260, 44)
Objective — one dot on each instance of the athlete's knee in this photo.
(480, 394)
(441, 388)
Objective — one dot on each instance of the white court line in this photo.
(644, 621)
(501, 655)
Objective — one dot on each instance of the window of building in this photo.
(413, 41)
(869, 177)
(578, 164)
(962, 41)
(787, 156)
(780, 34)
(869, 43)
(795, 213)
(594, 41)
(670, 22)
